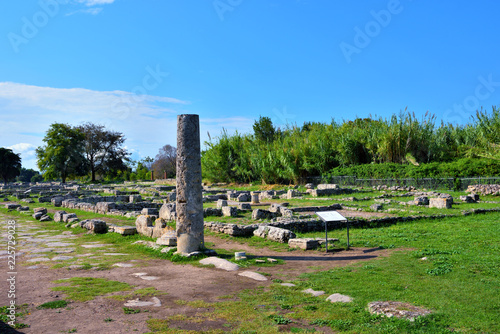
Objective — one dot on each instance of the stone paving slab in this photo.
(314, 293)
(39, 250)
(220, 263)
(95, 245)
(62, 258)
(38, 259)
(123, 265)
(137, 303)
(59, 244)
(253, 275)
(338, 298)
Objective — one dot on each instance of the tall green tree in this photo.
(103, 149)
(264, 129)
(10, 164)
(27, 175)
(63, 154)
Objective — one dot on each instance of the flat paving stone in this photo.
(84, 255)
(149, 278)
(114, 254)
(95, 245)
(76, 266)
(40, 250)
(220, 263)
(314, 293)
(137, 303)
(62, 258)
(38, 259)
(59, 244)
(338, 298)
(64, 251)
(123, 265)
(139, 274)
(253, 275)
(4, 252)
(288, 284)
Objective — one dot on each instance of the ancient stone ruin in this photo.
(189, 200)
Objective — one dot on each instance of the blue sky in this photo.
(134, 65)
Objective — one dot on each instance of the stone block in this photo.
(38, 215)
(327, 186)
(67, 216)
(159, 228)
(12, 206)
(212, 212)
(229, 211)
(58, 216)
(303, 243)
(42, 210)
(149, 211)
(244, 197)
(144, 225)
(262, 214)
(57, 201)
(45, 218)
(221, 203)
(96, 226)
(244, 206)
(167, 239)
(274, 233)
(376, 207)
(254, 197)
(167, 211)
(125, 230)
(421, 200)
(135, 198)
(440, 203)
(467, 199)
(292, 193)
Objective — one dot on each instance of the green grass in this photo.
(128, 310)
(139, 293)
(20, 312)
(53, 304)
(459, 281)
(87, 288)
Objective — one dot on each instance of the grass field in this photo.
(449, 266)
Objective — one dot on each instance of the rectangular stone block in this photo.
(304, 243)
(229, 211)
(125, 230)
(440, 203)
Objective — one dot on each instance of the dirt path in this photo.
(178, 282)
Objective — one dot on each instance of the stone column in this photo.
(152, 175)
(189, 200)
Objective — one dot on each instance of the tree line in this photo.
(86, 152)
(274, 155)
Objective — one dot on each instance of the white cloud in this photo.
(91, 3)
(148, 122)
(23, 148)
(28, 154)
(91, 11)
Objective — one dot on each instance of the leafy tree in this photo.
(264, 130)
(62, 156)
(10, 164)
(103, 150)
(165, 162)
(27, 174)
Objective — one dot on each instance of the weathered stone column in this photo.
(189, 200)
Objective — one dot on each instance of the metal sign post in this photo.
(332, 216)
